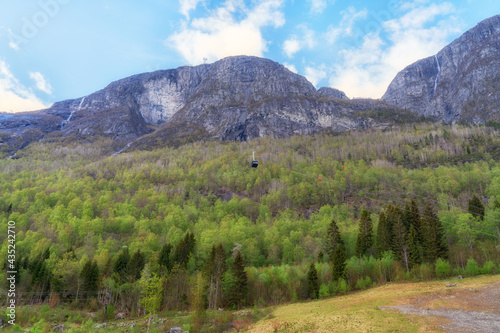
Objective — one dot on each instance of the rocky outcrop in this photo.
(236, 98)
(460, 83)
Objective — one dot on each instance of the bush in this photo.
(343, 286)
(471, 269)
(360, 284)
(488, 268)
(369, 283)
(324, 291)
(442, 268)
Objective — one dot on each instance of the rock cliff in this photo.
(460, 83)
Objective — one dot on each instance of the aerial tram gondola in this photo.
(255, 163)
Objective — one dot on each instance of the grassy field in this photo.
(361, 311)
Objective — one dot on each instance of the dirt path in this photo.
(459, 310)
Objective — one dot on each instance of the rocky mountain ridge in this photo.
(460, 83)
(244, 97)
(236, 98)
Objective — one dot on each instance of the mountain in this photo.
(460, 83)
(236, 98)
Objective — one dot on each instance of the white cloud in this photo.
(222, 34)
(314, 75)
(14, 96)
(295, 43)
(41, 82)
(318, 6)
(422, 30)
(291, 46)
(14, 46)
(187, 6)
(345, 27)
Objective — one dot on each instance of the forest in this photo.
(196, 227)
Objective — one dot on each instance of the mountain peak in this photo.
(459, 83)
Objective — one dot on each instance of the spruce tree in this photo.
(400, 240)
(413, 247)
(121, 262)
(239, 293)
(364, 243)
(435, 245)
(90, 276)
(339, 263)
(476, 208)
(135, 266)
(383, 235)
(312, 282)
(164, 259)
(333, 239)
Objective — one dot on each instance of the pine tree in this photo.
(413, 247)
(121, 262)
(312, 282)
(135, 266)
(364, 243)
(384, 231)
(435, 245)
(164, 259)
(185, 249)
(333, 239)
(476, 208)
(400, 240)
(240, 291)
(90, 276)
(339, 263)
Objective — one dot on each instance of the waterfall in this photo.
(73, 112)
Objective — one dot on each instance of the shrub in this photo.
(360, 284)
(471, 268)
(442, 268)
(488, 268)
(324, 290)
(343, 286)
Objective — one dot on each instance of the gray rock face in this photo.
(236, 98)
(461, 82)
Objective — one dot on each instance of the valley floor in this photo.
(472, 305)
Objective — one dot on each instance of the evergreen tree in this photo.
(120, 266)
(435, 245)
(384, 231)
(135, 266)
(413, 247)
(400, 240)
(240, 292)
(312, 282)
(476, 208)
(90, 277)
(184, 249)
(339, 263)
(364, 243)
(333, 239)
(164, 259)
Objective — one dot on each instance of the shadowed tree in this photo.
(339, 263)
(364, 243)
(476, 208)
(312, 282)
(333, 239)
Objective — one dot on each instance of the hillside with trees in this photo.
(196, 228)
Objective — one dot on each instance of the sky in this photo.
(52, 50)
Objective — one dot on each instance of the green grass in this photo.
(361, 312)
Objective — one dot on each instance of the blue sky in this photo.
(52, 50)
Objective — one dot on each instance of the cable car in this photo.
(254, 162)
